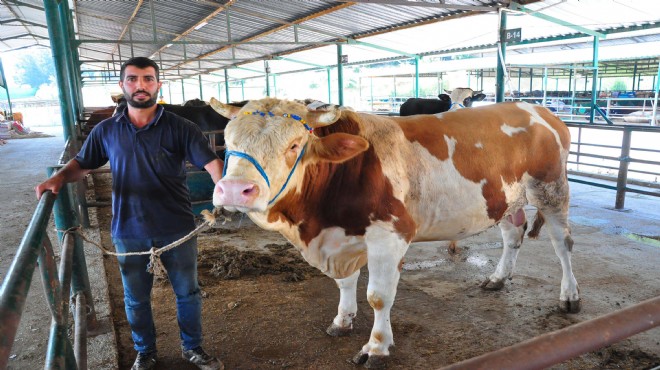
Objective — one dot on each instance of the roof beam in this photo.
(441, 5)
(26, 5)
(517, 7)
(23, 22)
(197, 25)
(128, 24)
(270, 31)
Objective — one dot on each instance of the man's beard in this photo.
(140, 104)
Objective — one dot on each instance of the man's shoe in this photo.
(145, 361)
(202, 359)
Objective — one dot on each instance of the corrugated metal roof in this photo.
(246, 32)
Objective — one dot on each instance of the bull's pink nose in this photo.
(235, 193)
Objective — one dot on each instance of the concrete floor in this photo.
(23, 163)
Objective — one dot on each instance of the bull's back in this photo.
(467, 168)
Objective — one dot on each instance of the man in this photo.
(147, 148)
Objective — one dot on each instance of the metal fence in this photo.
(71, 281)
(604, 156)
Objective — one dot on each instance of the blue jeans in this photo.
(181, 266)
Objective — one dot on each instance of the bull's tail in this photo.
(536, 227)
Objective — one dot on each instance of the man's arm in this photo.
(71, 172)
(214, 168)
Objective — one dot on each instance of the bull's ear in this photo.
(479, 97)
(225, 110)
(337, 148)
(320, 118)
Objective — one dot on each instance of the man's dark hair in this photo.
(140, 62)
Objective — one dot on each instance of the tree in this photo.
(34, 68)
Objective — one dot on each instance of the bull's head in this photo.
(269, 144)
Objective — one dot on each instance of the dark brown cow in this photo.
(360, 188)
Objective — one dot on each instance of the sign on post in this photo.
(513, 35)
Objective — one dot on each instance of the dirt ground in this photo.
(265, 308)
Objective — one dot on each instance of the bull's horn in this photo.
(225, 110)
(323, 117)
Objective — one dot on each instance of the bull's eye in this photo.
(294, 146)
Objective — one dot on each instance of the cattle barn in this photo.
(408, 184)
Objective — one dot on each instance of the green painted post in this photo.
(267, 70)
(499, 84)
(183, 92)
(417, 77)
(340, 76)
(227, 85)
(201, 93)
(594, 82)
(58, 50)
(66, 218)
(73, 58)
(656, 86)
(2, 76)
(327, 70)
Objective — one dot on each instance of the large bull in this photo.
(351, 189)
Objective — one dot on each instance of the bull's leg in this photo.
(385, 250)
(560, 235)
(342, 325)
(513, 229)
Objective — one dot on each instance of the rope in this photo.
(155, 265)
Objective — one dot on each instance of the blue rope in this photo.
(229, 153)
(256, 164)
(459, 104)
(290, 174)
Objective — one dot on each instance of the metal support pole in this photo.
(327, 70)
(416, 77)
(58, 49)
(201, 93)
(656, 86)
(594, 90)
(3, 78)
(552, 348)
(624, 161)
(65, 218)
(267, 70)
(227, 85)
(340, 76)
(183, 92)
(499, 84)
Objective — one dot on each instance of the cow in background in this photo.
(350, 190)
(414, 106)
(463, 97)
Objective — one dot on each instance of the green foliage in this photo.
(35, 68)
(619, 85)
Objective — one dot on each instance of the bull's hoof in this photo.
(376, 362)
(337, 331)
(360, 358)
(370, 362)
(570, 306)
(492, 285)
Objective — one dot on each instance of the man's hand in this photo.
(71, 172)
(53, 184)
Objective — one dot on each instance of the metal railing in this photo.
(616, 159)
(72, 281)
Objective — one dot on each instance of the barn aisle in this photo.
(23, 165)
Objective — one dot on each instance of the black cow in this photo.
(204, 116)
(414, 106)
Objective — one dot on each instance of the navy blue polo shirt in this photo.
(150, 197)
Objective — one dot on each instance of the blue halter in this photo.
(459, 104)
(229, 153)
